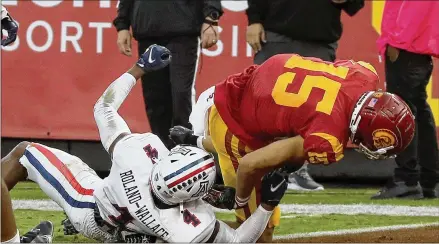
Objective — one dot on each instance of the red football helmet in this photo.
(381, 124)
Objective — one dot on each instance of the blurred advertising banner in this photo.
(66, 55)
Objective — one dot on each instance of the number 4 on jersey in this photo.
(190, 218)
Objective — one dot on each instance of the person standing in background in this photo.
(409, 38)
(307, 28)
(169, 93)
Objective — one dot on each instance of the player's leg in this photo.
(12, 170)
(238, 150)
(42, 233)
(229, 151)
(220, 136)
(66, 180)
(9, 231)
(11, 175)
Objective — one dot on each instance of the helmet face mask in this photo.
(379, 154)
(186, 174)
(382, 125)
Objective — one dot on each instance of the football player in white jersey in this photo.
(150, 190)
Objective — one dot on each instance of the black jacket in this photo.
(304, 20)
(164, 18)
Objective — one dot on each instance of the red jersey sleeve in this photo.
(322, 148)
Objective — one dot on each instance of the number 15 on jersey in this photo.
(316, 75)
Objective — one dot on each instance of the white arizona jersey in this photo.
(125, 197)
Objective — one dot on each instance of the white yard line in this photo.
(303, 209)
(43, 205)
(353, 231)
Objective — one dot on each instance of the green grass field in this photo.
(290, 223)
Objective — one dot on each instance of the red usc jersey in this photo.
(290, 95)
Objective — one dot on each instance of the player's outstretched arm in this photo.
(273, 189)
(253, 165)
(111, 125)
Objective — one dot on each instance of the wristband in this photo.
(241, 202)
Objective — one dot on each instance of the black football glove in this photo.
(273, 188)
(183, 135)
(11, 27)
(221, 196)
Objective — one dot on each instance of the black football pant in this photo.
(168, 92)
(408, 77)
(278, 44)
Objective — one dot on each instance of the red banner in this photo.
(66, 56)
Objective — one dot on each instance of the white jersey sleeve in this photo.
(248, 232)
(109, 122)
(199, 115)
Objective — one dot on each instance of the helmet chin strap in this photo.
(356, 117)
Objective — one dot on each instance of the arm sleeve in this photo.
(212, 5)
(256, 11)
(109, 122)
(248, 232)
(124, 12)
(351, 7)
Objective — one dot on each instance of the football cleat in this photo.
(154, 58)
(382, 125)
(302, 181)
(42, 233)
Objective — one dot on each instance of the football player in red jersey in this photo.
(316, 106)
